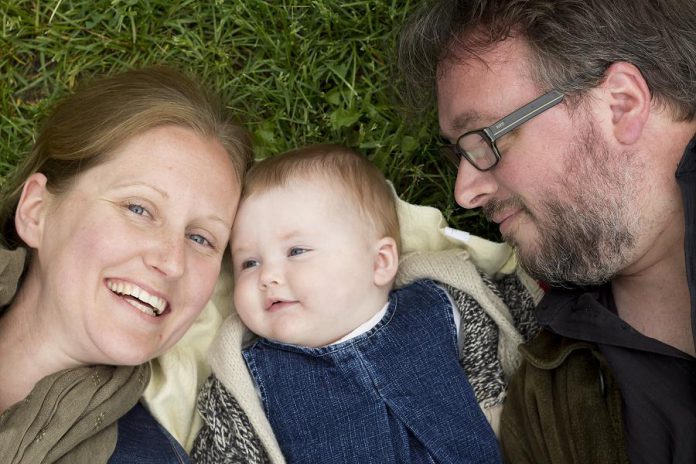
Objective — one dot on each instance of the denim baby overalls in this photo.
(393, 394)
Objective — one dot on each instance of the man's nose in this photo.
(473, 188)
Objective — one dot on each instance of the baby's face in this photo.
(303, 262)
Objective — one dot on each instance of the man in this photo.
(593, 181)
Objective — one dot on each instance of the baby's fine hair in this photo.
(340, 166)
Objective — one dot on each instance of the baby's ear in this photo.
(386, 261)
(29, 217)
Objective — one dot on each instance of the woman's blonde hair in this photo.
(87, 126)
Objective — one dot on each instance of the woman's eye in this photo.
(137, 209)
(199, 239)
(249, 263)
(296, 251)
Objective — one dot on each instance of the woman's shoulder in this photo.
(142, 440)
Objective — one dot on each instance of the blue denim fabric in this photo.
(394, 394)
(142, 440)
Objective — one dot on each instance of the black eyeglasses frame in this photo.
(512, 121)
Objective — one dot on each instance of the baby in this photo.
(348, 368)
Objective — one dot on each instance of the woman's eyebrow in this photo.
(216, 218)
(141, 184)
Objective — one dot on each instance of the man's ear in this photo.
(629, 101)
(386, 261)
(31, 209)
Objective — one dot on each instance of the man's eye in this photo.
(249, 263)
(296, 251)
(201, 240)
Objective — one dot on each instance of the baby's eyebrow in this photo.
(293, 233)
(238, 249)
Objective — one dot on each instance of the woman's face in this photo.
(129, 256)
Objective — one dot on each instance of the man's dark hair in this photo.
(573, 42)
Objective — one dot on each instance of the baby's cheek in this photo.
(244, 303)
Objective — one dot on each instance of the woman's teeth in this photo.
(141, 299)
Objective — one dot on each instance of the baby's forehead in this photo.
(325, 184)
(334, 195)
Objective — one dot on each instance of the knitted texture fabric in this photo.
(227, 436)
(478, 336)
(520, 300)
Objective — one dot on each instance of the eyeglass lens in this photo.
(450, 154)
(477, 150)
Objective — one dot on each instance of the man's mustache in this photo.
(493, 207)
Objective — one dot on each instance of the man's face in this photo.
(561, 195)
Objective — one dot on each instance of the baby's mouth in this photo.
(139, 298)
(277, 304)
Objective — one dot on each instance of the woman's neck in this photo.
(27, 351)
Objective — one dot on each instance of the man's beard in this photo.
(585, 223)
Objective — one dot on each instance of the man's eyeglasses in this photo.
(478, 146)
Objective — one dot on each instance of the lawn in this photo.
(294, 72)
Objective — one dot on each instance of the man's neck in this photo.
(655, 300)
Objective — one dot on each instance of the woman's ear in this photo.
(31, 209)
(386, 261)
(629, 101)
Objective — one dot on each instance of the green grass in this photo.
(295, 72)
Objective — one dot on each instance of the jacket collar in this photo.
(548, 350)
(589, 315)
(686, 178)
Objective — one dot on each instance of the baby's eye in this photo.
(138, 209)
(201, 240)
(296, 251)
(249, 263)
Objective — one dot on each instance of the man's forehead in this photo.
(511, 57)
(474, 89)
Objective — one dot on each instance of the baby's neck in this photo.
(365, 326)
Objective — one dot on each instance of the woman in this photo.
(124, 207)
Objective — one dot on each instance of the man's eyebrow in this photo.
(466, 121)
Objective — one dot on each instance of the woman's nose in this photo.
(168, 256)
(473, 188)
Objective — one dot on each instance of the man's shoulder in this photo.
(558, 382)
